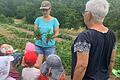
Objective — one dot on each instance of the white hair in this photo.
(98, 8)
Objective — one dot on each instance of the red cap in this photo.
(30, 58)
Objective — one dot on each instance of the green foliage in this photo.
(17, 43)
(25, 26)
(29, 11)
(68, 12)
(65, 36)
(64, 51)
(117, 59)
(10, 20)
(37, 32)
(117, 62)
(18, 33)
(112, 19)
(20, 12)
(68, 17)
(19, 40)
(118, 48)
(4, 19)
(49, 35)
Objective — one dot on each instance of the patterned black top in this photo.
(99, 46)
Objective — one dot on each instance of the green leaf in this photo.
(116, 72)
(37, 33)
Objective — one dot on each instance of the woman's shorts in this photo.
(45, 51)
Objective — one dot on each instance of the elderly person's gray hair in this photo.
(98, 8)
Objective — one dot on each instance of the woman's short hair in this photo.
(98, 8)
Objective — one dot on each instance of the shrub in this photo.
(65, 36)
(64, 51)
(117, 62)
(3, 19)
(25, 26)
(10, 20)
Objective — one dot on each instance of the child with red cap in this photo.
(30, 72)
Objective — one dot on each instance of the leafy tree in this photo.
(68, 12)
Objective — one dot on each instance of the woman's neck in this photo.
(99, 27)
(47, 18)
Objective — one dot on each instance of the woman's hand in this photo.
(48, 39)
(37, 34)
(38, 37)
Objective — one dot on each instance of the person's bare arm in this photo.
(112, 62)
(35, 27)
(56, 31)
(82, 62)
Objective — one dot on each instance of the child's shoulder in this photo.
(31, 69)
(35, 69)
(7, 58)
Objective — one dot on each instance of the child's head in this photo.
(53, 65)
(30, 58)
(54, 61)
(6, 49)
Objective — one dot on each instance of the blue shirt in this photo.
(45, 28)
